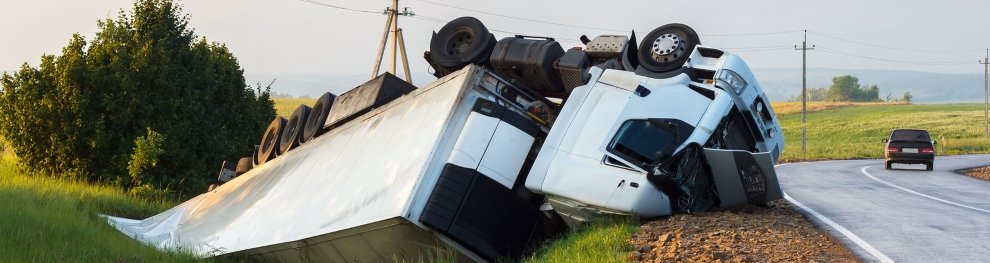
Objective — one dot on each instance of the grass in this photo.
(605, 240)
(856, 131)
(790, 107)
(285, 106)
(51, 220)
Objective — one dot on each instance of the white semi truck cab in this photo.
(633, 144)
(663, 126)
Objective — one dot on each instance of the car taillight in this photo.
(927, 149)
(893, 149)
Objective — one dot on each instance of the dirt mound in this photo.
(751, 234)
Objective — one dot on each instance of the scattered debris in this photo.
(749, 234)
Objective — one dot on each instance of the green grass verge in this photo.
(51, 220)
(605, 240)
(854, 132)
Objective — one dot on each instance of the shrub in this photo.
(78, 114)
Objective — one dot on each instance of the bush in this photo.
(146, 151)
(78, 114)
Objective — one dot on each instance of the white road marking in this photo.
(845, 232)
(920, 194)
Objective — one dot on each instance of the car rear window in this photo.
(909, 135)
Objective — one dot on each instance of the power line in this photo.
(756, 50)
(522, 18)
(341, 7)
(752, 34)
(894, 48)
(442, 21)
(930, 63)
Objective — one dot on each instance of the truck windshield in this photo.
(643, 142)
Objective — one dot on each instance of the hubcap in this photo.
(460, 43)
(666, 47)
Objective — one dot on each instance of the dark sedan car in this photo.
(909, 146)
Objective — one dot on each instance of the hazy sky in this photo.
(298, 38)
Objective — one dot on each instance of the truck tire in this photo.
(254, 156)
(667, 47)
(460, 42)
(268, 148)
(318, 117)
(293, 132)
(244, 165)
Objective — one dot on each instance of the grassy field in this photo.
(285, 106)
(51, 220)
(855, 131)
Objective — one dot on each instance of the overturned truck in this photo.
(516, 136)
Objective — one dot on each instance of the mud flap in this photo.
(742, 177)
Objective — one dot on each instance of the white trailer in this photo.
(435, 170)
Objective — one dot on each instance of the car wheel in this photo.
(460, 42)
(268, 148)
(930, 166)
(292, 134)
(886, 165)
(667, 47)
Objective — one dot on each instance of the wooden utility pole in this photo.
(804, 91)
(986, 96)
(398, 43)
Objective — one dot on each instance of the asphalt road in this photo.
(903, 215)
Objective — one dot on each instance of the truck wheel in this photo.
(318, 117)
(244, 165)
(292, 133)
(268, 148)
(667, 47)
(254, 156)
(460, 42)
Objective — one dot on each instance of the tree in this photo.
(79, 114)
(847, 88)
(871, 93)
(907, 97)
(843, 88)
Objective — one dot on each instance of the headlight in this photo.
(733, 79)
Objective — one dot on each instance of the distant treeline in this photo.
(847, 88)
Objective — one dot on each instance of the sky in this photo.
(292, 37)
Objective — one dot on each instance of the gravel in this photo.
(979, 172)
(749, 234)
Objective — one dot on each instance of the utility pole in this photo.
(804, 91)
(986, 96)
(398, 43)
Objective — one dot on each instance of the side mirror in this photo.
(934, 142)
(883, 140)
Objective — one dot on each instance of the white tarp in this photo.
(364, 171)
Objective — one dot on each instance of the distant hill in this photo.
(926, 87)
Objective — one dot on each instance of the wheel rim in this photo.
(460, 42)
(667, 47)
